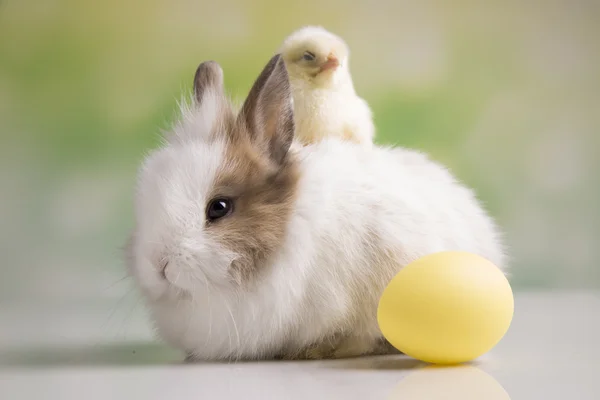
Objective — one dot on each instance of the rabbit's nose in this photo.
(185, 252)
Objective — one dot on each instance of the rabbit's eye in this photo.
(218, 208)
(308, 56)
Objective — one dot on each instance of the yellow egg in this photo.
(446, 308)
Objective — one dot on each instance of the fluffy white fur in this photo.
(327, 104)
(361, 215)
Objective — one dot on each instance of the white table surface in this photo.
(552, 351)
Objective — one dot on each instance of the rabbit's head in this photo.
(212, 204)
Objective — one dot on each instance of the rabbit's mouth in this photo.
(179, 276)
(191, 269)
(162, 270)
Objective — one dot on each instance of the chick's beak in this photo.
(331, 63)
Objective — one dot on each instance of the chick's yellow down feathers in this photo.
(325, 101)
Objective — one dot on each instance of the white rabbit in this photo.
(246, 248)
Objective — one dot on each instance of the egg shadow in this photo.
(382, 363)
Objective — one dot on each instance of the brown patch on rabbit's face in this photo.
(263, 199)
(257, 173)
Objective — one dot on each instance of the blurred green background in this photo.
(506, 93)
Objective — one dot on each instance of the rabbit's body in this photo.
(304, 281)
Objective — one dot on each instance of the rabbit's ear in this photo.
(267, 112)
(210, 114)
(208, 82)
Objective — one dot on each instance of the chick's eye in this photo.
(308, 56)
(218, 208)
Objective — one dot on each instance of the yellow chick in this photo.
(325, 101)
